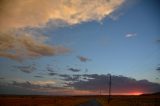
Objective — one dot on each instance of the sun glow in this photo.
(136, 93)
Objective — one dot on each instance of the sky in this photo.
(71, 47)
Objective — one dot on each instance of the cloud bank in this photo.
(89, 84)
(120, 84)
(18, 15)
(32, 88)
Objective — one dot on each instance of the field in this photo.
(77, 100)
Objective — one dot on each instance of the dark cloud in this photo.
(71, 78)
(34, 86)
(74, 69)
(50, 69)
(26, 69)
(1, 78)
(83, 82)
(64, 75)
(38, 76)
(158, 40)
(52, 73)
(120, 84)
(83, 59)
(28, 87)
(26, 84)
(158, 69)
(13, 90)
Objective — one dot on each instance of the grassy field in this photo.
(76, 100)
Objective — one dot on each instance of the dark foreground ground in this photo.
(79, 100)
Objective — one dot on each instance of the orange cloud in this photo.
(35, 13)
(25, 46)
(19, 14)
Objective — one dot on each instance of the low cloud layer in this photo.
(83, 84)
(27, 87)
(48, 84)
(30, 88)
(120, 84)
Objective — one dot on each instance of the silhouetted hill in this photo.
(152, 94)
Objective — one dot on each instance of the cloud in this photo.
(130, 35)
(115, 16)
(43, 83)
(81, 84)
(15, 46)
(33, 84)
(83, 59)
(38, 87)
(158, 69)
(95, 82)
(1, 78)
(30, 88)
(74, 70)
(38, 76)
(64, 75)
(19, 14)
(158, 40)
(26, 84)
(26, 69)
(52, 73)
(50, 69)
(70, 78)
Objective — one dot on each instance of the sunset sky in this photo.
(69, 47)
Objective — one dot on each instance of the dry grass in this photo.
(76, 100)
(131, 101)
(41, 100)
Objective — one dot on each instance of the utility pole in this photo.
(109, 90)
